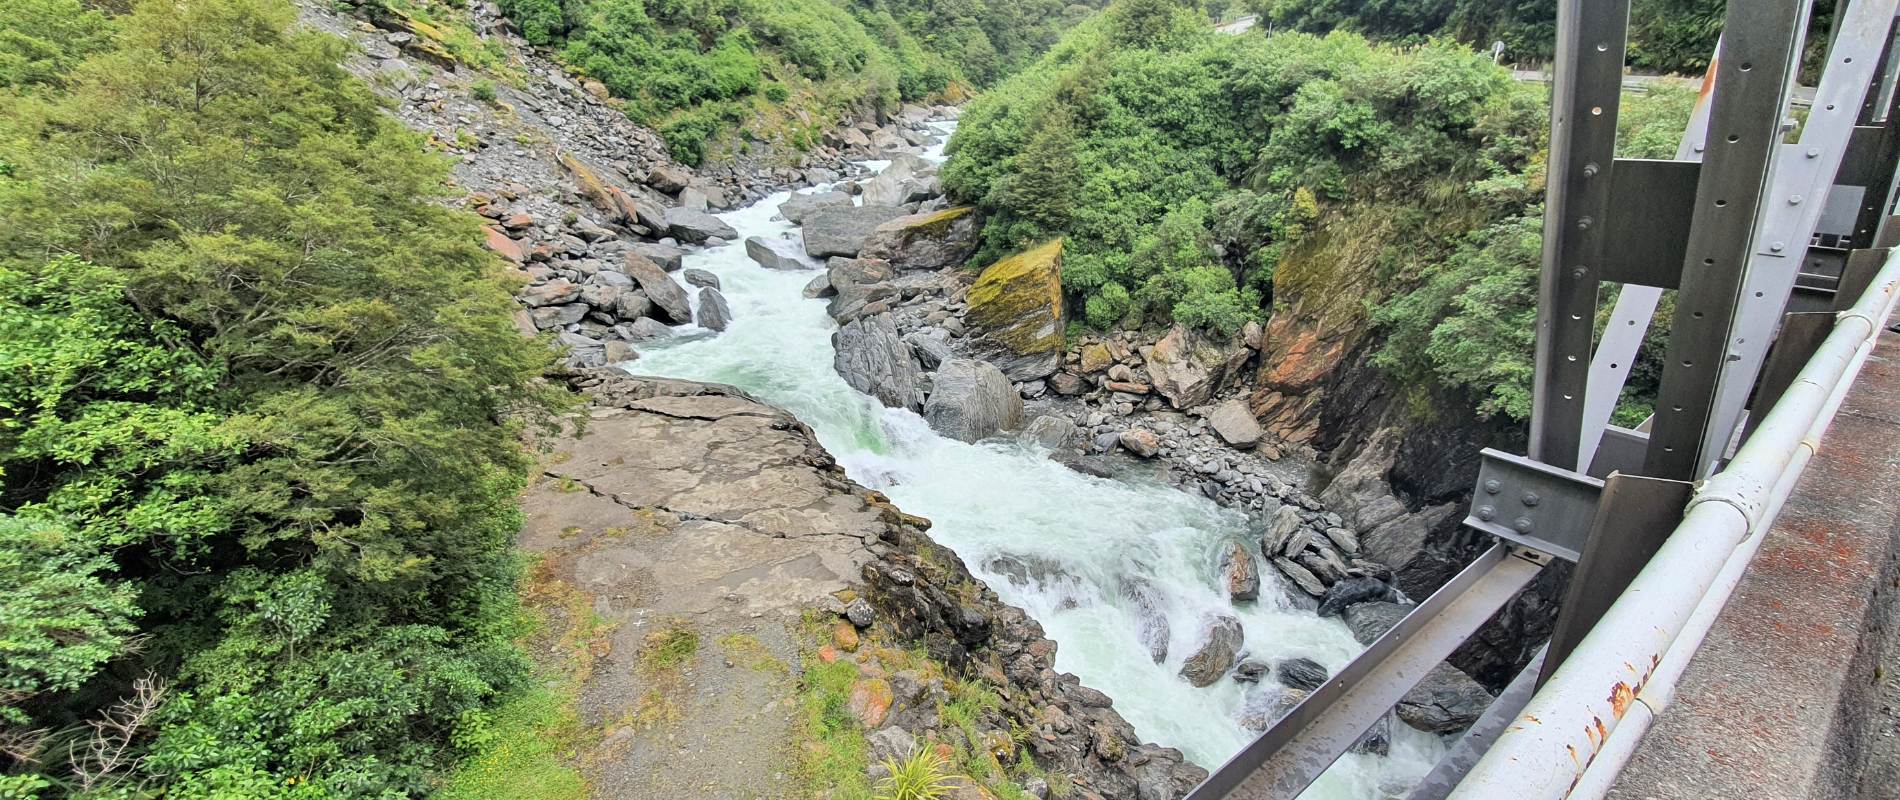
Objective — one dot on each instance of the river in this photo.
(1004, 498)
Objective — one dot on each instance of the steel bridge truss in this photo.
(1766, 229)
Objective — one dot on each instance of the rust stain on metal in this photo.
(1621, 695)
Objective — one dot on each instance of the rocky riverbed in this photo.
(603, 225)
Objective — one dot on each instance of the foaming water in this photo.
(1095, 543)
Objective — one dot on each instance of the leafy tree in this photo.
(41, 39)
(264, 384)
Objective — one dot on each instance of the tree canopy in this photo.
(261, 408)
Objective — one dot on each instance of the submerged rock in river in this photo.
(1216, 652)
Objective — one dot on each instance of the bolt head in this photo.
(1531, 499)
(1487, 513)
(1493, 486)
(1778, 247)
(1523, 525)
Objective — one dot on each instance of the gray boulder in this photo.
(841, 230)
(1215, 655)
(800, 206)
(668, 257)
(701, 278)
(928, 241)
(1301, 673)
(645, 329)
(669, 298)
(1187, 368)
(874, 359)
(1301, 576)
(1351, 591)
(774, 253)
(819, 287)
(714, 313)
(552, 293)
(693, 226)
(1141, 442)
(894, 186)
(1053, 433)
(1235, 424)
(971, 400)
(1447, 701)
(932, 351)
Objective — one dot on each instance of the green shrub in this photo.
(919, 776)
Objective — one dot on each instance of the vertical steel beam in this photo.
(1586, 89)
(1758, 42)
(1798, 188)
(1635, 304)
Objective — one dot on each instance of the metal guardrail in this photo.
(1575, 735)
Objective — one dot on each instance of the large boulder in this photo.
(1054, 433)
(669, 258)
(971, 400)
(896, 184)
(1239, 573)
(929, 241)
(1016, 310)
(669, 298)
(714, 314)
(1360, 493)
(1233, 422)
(774, 253)
(1447, 701)
(689, 225)
(1266, 704)
(874, 359)
(1215, 654)
(800, 206)
(856, 283)
(1187, 368)
(841, 230)
(669, 179)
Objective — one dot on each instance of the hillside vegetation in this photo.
(694, 69)
(261, 410)
(1186, 169)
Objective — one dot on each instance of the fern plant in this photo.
(918, 777)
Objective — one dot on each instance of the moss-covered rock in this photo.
(932, 240)
(1016, 308)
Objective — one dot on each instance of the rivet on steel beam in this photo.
(1531, 499)
(1523, 525)
(1699, 147)
(1778, 247)
(1795, 200)
(1589, 170)
(1814, 152)
(1583, 223)
(1487, 513)
(1493, 486)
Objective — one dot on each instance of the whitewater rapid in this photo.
(1006, 498)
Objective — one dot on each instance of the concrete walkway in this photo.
(1794, 693)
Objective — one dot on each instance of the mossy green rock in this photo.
(1016, 308)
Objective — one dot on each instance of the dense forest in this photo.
(261, 410)
(696, 68)
(1184, 166)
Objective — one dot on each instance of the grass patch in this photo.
(834, 756)
(527, 749)
(668, 648)
(747, 651)
(527, 752)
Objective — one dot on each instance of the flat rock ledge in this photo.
(693, 503)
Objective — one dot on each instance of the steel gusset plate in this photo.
(1539, 506)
